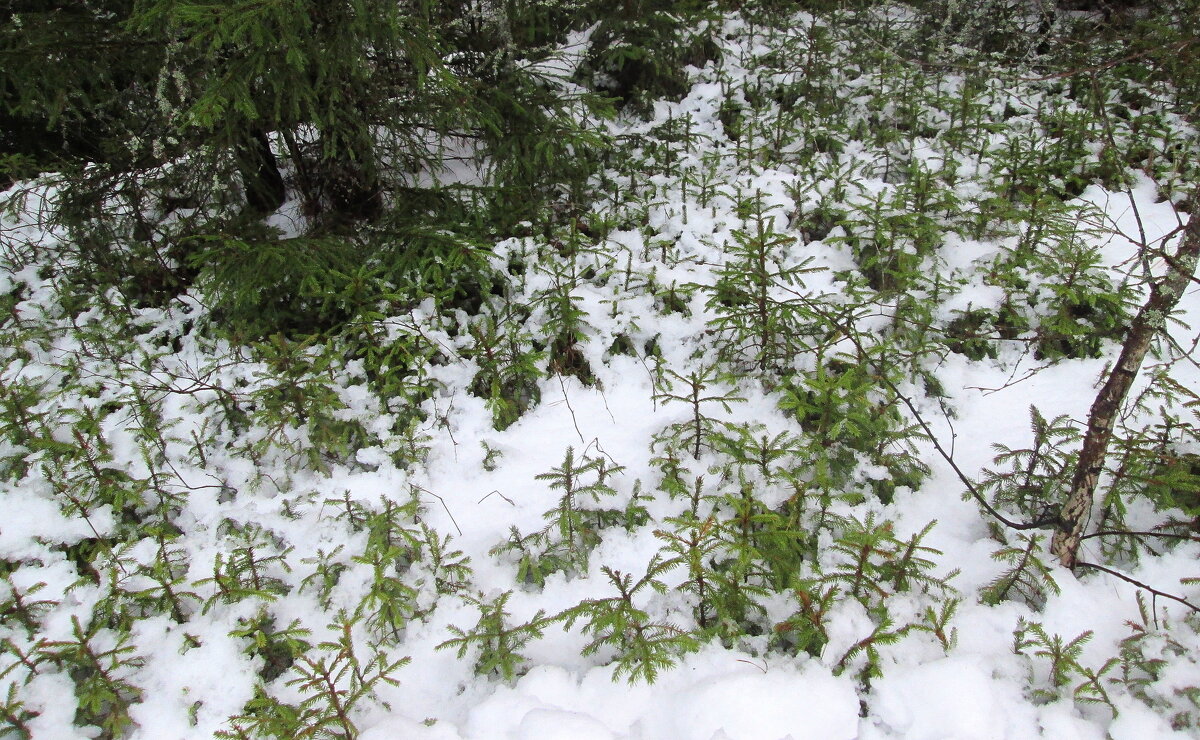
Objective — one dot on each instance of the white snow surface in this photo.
(193, 676)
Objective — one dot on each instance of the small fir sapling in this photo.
(498, 643)
(642, 647)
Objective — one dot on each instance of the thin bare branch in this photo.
(1139, 584)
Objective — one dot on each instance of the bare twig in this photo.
(1131, 533)
(496, 493)
(447, 508)
(574, 421)
(1139, 584)
(762, 667)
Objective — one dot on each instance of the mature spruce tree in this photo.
(174, 129)
(340, 86)
(74, 84)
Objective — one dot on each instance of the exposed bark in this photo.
(1151, 319)
(265, 191)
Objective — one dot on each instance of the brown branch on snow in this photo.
(1139, 584)
(1131, 533)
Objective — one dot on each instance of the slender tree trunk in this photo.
(1151, 319)
(261, 178)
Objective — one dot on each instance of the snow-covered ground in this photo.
(160, 408)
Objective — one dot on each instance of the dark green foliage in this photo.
(640, 50)
(763, 321)
(1175, 481)
(234, 108)
(15, 715)
(871, 563)
(282, 66)
(807, 629)
(450, 569)
(1036, 477)
(74, 80)
(1150, 462)
(289, 285)
(569, 478)
(694, 544)
(1026, 577)
(167, 587)
(301, 399)
(642, 647)
(574, 524)
(23, 607)
(249, 570)
(394, 544)
(937, 623)
(1145, 654)
(508, 369)
(333, 685)
(278, 648)
(865, 651)
(970, 334)
(724, 557)
(327, 571)
(892, 236)
(846, 412)
(499, 644)
(536, 556)
(102, 675)
(698, 431)
(1063, 664)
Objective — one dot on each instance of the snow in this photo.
(953, 697)
(713, 694)
(474, 483)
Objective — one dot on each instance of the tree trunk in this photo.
(1151, 319)
(265, 191)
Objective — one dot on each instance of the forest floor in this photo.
(676, 478)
